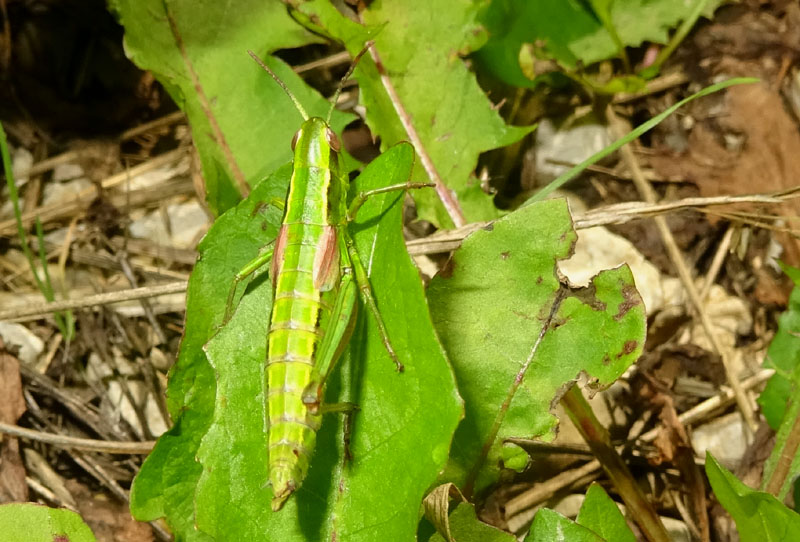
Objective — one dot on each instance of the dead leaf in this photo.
(12, 405)
(751, 145)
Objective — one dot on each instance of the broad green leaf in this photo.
(489, 309)
(241, 120)
(166, 483)
(27, 522)
(466, 527)
(783, 355)
(758, 516)
(571, 33)
(550, 526)
(421, 44)
(601, 514)
(401, 435)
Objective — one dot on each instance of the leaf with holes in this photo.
(516, 336)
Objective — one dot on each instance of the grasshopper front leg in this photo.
(252, 266)
(362, 197)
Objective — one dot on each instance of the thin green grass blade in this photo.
(64, 321)
(44, 286)
(636, 132)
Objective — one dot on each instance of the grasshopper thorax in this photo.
(315, 145)
(318, 190)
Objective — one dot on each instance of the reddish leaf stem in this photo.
(446, 196)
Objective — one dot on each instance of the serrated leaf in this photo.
(27, 522)
(489, 310)
(601, 515)
(758, 516)
(421, 44)
(550, 526)
(571, 33)
(241, 120)
(400, 437)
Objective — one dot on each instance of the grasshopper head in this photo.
(315, 144)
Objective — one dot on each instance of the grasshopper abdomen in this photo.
(305, 273)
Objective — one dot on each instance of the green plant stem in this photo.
(779, 465)
(45, 286)
(598, 439)
(604, 14)
(635, 133)
(677, 38)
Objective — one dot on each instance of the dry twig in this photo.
(90, 445)
(649, 195)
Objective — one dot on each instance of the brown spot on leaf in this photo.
(447, 269)
(558, 322)
(505, 255)
(588, 296)
(632, 299)
(628, 348)
(522, 315)
(259, 208)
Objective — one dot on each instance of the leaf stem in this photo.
(238, 176)
(677, 38)
(446, 196)
(598, 439)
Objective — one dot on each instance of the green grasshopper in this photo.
(316, 276)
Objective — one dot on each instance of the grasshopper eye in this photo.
(295, 138)
(333, 141)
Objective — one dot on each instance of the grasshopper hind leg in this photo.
(369, 300)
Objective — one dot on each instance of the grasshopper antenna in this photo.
(346, 77)
(283, 85)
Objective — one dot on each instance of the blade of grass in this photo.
(635, 133)
(64, 321)
(599, 440)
